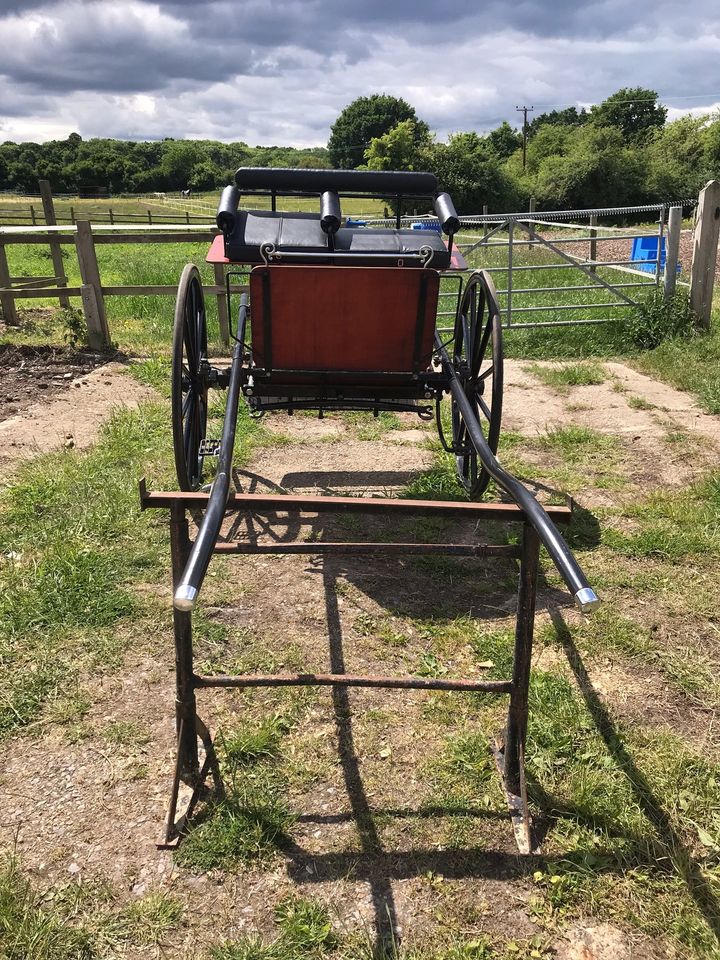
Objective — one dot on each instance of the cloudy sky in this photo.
(280, 71)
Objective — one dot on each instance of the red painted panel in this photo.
(216, 253)
(343, 318)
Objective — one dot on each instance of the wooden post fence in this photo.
(55, 251)
(672, 250)
(7, 301)
(705, 244)
(92, 293)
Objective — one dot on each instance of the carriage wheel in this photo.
(478, 360)
(189, 379)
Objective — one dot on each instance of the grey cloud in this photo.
(281, 71)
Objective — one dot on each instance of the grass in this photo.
(304, 930)
(80, 920)
(73, 543)
(253, 821)
(673, 525)
(570, 375)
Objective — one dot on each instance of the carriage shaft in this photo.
(563, 558)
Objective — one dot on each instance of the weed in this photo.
(72, 320)
(576, 443)
(659, 318)
(570, 375)
(247, 826)
(30, 932)
(304, 928)
(640, 403)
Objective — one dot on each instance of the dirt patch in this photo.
(72, 408)
(605, 942)
(29, 373)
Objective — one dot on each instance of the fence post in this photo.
(149, 216)
(531, 210)
(485, 226)
(222, 304)
(92, 295)
(705, 242)
(32, 215)
(673, 249)
(55, 251)
(593, 242)
(7, 300)
(112, 216)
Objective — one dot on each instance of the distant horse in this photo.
(185, 193)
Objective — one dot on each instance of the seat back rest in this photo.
(382, 182)
(358, 319)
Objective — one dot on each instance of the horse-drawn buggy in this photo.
(336, 317)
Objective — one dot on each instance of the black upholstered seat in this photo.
(301, 233)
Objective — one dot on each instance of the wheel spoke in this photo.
(189, 347)
(486, 373)
(188, 427)
(485, 408)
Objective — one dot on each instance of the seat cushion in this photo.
(253, 228)
(302, 233)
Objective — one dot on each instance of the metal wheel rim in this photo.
(189, 386)
(477, 355)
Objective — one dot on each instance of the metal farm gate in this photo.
(550, 271)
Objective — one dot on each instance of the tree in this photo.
(364, 119)
(711, 148)
(674, 160)
(633, 110)
(504, 140)
(569, 117)
(398, 149)
(179, 158)
(597, 170)
(468, 168)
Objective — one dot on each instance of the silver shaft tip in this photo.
(587, 599)
(185, 597)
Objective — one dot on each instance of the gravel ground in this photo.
(619, 249)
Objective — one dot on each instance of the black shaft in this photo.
(559, 551)
(204, 545)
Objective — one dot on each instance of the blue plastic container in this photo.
(645, 249)
(355, 223)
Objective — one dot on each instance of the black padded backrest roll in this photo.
(445, 210)
(227, 209)
(330, 215)
(341, 181)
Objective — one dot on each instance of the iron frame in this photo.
(192, 732)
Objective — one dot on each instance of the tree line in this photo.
(621, 152)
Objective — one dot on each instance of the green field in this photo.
(143, 324)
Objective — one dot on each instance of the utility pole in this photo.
(524, 110)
